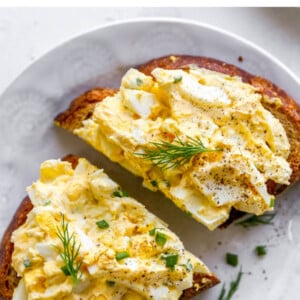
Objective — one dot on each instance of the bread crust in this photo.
(8, 276)
(82, 108)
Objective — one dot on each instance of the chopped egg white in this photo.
(139, 102)
(20, 292)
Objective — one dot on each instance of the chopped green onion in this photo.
(154, 183)
(110, 283)
(102, 224)
(47, 202)
(232, 259)
(272, 202)
(27, 263)
(120, 194)
(122, 255)
(261, 250)
(160, 239)
(152, 232)
(139, 81)
(171, 260)
(177, 79)
(188, 213)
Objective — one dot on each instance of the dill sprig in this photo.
(254, 220)
(173, 155)
(69, 252)
(233, 288)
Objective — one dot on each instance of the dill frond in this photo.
(69, 252)
(173, 155)
(233, 288)
(254, 220)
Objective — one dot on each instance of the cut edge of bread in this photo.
(8, 276)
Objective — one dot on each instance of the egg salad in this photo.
(201, 137)
(85, 238)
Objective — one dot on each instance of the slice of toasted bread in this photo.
(8, 276)
(288, 114)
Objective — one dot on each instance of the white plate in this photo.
(100, 57)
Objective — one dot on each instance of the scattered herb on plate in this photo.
(232, 259)
(253, 220)
(261, 250)
(232, 289)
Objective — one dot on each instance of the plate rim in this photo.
(177, 20)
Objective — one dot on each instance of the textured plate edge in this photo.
(183, 21)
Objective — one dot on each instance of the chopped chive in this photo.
(125, 194)
(152, 232)
(272, 202)
(189, 266)
(139, 81)
(177, 79)
(117, 194)
(154, 183)
(110, 283)
(122, 255)
(65, 270)
(102, 224)
(232, 259)
(27, 263)
(160, 239)
(188, 213)
(171, 260)
(261, 250)
(47, 202)
(120, 194)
